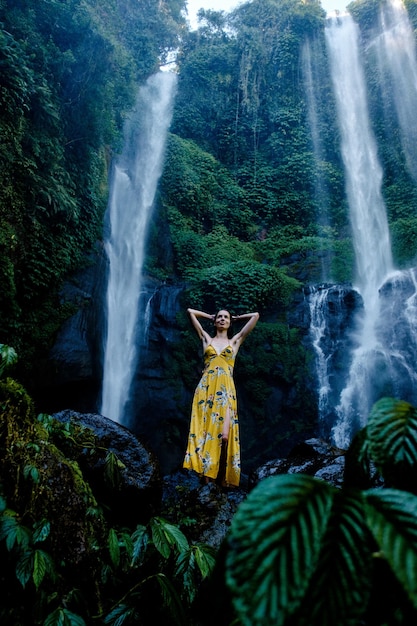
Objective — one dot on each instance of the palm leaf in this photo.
(392, 518)
(274, 546)
(392, 440)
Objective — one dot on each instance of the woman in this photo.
(213, 443)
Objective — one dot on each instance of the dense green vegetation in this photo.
(299, 551)
(64, 559)
(69, 72)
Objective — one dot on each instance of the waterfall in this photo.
(318, 330)
(132, 191)
(397, 59)
(367, 216)
(332, 309)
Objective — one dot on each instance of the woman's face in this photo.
(222, 319)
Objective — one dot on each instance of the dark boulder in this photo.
(313, 457)
(134, 494)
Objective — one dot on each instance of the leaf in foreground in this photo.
(274, 546)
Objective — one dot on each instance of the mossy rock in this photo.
(39, 483)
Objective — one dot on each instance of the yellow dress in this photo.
(214, 399)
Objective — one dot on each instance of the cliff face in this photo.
(163, 384)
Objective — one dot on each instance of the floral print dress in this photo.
(214, 400)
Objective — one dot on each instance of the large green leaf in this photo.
(339, 590)
(140, 540)
(120, 614)
(274, 546)
(392, 518)
(166, 535)
(41, 530)
(194, 564)
(114, 547)
(24, 567)
(8, 356)
(205, 559)
(392, 441)
(113, 468)
(40, 566)
(13, 531)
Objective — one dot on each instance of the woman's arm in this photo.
(194, 315)
(238, 339)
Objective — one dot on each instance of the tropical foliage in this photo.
(299, 551)
(69, 72)
(303, 552)
(63, 558)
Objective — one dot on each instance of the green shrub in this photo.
(241, 286)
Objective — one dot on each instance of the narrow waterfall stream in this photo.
(398, 67)
(368, 218)
(132, 192)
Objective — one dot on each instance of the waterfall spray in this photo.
(132, 192)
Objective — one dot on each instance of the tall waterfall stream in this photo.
(132, 192)
(383, 338)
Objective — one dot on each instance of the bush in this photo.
(241, 286)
